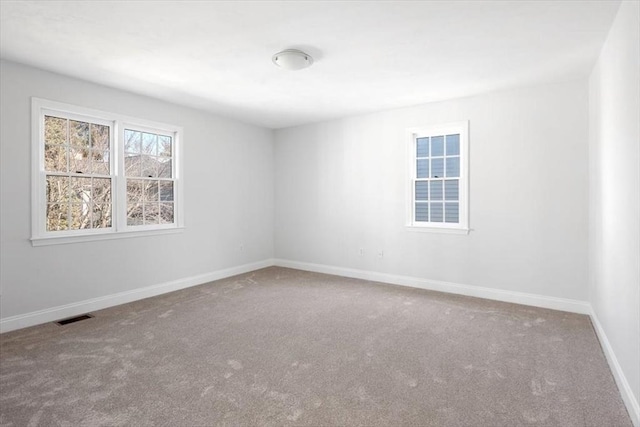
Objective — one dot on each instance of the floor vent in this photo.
(73, 319)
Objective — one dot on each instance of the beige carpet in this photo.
(284, 347)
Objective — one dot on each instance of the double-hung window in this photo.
(100, 175)
(438, 178)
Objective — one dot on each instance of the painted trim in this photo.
(45, 241)
(68, 310)
(461, 128)
(574, 306)
(554, 303)
(117, 123)
(630, 401)
(444, 230)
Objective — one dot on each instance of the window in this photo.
(98, 175)
(149, 178)
(438, 178)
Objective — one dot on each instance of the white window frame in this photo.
(117, 123)
(412, 134)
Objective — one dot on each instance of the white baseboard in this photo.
(630, 401)
(570, 305)
(60, 312)
(574, 306)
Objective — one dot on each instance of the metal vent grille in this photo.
(73, 319)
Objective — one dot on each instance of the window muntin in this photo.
(78, 176)
(148, 165)
(438, 177)
(97, 173)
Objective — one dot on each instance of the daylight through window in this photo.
(78, 174)
(438, 170)
(97, 173)
(148, 170)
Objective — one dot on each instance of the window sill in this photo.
(443, 230)
(62, 240)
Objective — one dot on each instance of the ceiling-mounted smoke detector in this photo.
(292, 59)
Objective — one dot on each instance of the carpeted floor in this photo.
(284, 347)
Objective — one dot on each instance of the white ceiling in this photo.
(369, 55)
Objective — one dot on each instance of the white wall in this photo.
(228, 193)
(614, 191)
(340, 186)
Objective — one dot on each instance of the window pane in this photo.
(80, 189)
(55, 158)
(101, 191)
(80, 216)
(149, 144)
(154, 167)
(453, 145)
(99, 137)
(100, 162)
(132, 165)
(134, 191)
(151, 213)
(164, 167)
(101, 216)
(134, 214)
(79, 133)
(150, 193)
(437, 168)
(422, 212)
(79, 160)
(435, 190)
(57, 189)
(437, 146)
(132, 141)
(436, 212)
(164, 145)
(422, 147)
(451, 189)
(422, 190)
(150, 166)
(451, 212)
(453, 167)
(101, 203)
(57, 214)
(55, 130)
(79, 170)
(166, 213)
(422, 168)
(166, 191)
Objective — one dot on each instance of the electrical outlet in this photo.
(381, 254)
(361, 252)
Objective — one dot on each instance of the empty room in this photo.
(320, 213)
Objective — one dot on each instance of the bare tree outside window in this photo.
(148, 168)
(78, 182)
(101, 175)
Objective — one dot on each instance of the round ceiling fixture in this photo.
(292, 59)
